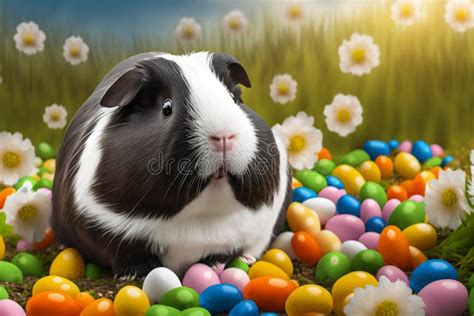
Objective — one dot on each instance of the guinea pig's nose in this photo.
(222, 142)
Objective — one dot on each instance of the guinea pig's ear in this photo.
(236, 70)
(124, 89)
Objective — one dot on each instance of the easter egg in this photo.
(236, 277)
(283, 242)
(367, 260)
(2, 248)
(11, 308)
(311, 179)
(161, 310)
(199, 277)
(306, 249)
(328, 241)
(376, 148)
(52, 303)
(346, 227)
(370, 240)
(194, 311)
(50, 165)
(370, 171)
(103, 307)
(295, 183)
(385, 165)
(350, 177)
(280, 259)
(131, 301)
(240, 264)
(92, 271)
(407, 214)
(220, 298)
(262, 268)
(375, 224)
(447, 161)
(368, 209)
(45, 151)
(324, 167)
(417, 257)
(159, 281)
(26, 181)
(270, 294)
(334, 182)
(55, 283)
(28, 264)
(405, 146)
(397, 192)
(47, 241)
(323, 207)
(437, 150)
(407, 165)
(23, 245)
(302, 194)
(355, 158)
(352, 247)
(43, 184)
(331, 193)
(374, 191)
(332, 266)
(422, 151)
(422, 236)
(309, 299)
(389, 208)
(3, 293)
(181, 298)
(324, 153)
(348, 204)
(444, 297)
(346, 285)
(392, 273)
(84, 299)
(245, 308)
(68, 264)
(431, 163)
(394, 247)
(302, 218)
(393, 144)
(430, 271)
(10, 273)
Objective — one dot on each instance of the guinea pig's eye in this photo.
(167, 107)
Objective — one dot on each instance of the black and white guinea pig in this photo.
(163, 165)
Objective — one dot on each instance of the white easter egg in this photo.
(283, 242)
(158, 282)
(325, 208)
(352, 247)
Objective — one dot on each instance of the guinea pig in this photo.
(164, 165)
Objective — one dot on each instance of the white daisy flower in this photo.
(387, 298)
(55, 116)
(75, 50)
(406, 12)
(17, 158)
(235, 22)
(188, 30)
(344, 114)
(29, 213)
(283, 88)
(302, 139)
(445, 202)
(294, 11)
(459, 14)
(29, 38)
(358, 55)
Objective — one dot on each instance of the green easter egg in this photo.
(28, 264)
(470, 284)
(195, 311)
(45, 151)
(10, 273)
(43, 183)
(332, 266)
(374, 191)
(92, 271)
(181, 298)
(470, 303)
(407, 213)
(42, 171)
(162, 310)
(3, 293)
(355, 158)
(324, 167)
(239, 264)
(432, 162)
(24, 180)
(367, 260)
(312, 180)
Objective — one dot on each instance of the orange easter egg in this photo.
(435, 171)
(421, 180)
(269, 293)
(394, 247)
(385, 165)
(302, 218)
(397, 192)
(409, 187)
(295, 183)
(52, 303)
(83, 300)
(306, 248)
(4, 194)
(417, 257)
(324, 153)
(101, 307)
(47, 241)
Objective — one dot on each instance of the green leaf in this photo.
(5, 229)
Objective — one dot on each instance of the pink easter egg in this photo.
(369, 208)
(405, 146)
(393, 273)
(437, 150)
(444, 297)
(370, 240)
(199, 277)
(346, 227)
(417, 198)
(23, 245)
(46, 191)
(11, 308)
(235, 276)
(332, 193)
(388, 208)
(219, 268)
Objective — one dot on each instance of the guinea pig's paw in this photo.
(248, 258)
(126, 278)
(131, 270)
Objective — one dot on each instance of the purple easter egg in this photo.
(388, 208)
(346, 227)
(369, 208)
(219, 268)
(11, 308)
(235, 276)
(393, 273)
(370, 240)
(199, 277)
(444, 297)
(405, 146)
(332, 193)
(417, 198)
(437, 150)
(23, 245)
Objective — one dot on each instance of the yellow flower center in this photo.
(461, 14)
(295, 12)
(297, 143)
(75, 51)
(234, 23)
(343, 115)
(406, 10)
(283, 89)
(27, 213)
(386, 308)
(55, 116)
(188, 31)
(358, 55)
(449, 198)
(28, 39)
(11, 159)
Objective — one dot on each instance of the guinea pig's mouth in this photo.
(220, 173)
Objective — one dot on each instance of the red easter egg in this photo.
(394, 247)
(306, 248)
(269, 293)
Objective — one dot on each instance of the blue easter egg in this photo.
(220, 298)
(375, 224)
(334, 182)
(430, 271)
(245, 308)
(393, 144)
(302, 194)
(376, 148)
(422, 151)
(269, 314)
(348, 204)
(447, 161)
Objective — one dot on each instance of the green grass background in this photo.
(423, 88)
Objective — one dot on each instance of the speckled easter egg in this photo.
(52, 303)
(306, 249)
(332, 266)
(407, 165)
(437, 150)
(131, 300)
(28, 264)
(10, 273)
(369, 208)
(393, 273)
(444, 297)
(407, 214)
(368, 260)
(346, 227)
(430, 271)
(11, 308)
(159, 281)
(346, 285)
(302, 218)
(236, 277)
(194, 311)
(55, 283)
(328, 241)
(220, 298)
(104, 307)
(311, 179)
(331, 193)
(385, 165)
(351, 248)
(302, 194)
(389, 207)
(245, 308)
(283, 242)
(199, 277)
(394, 247)
(324, 167)
(374, 191)
(279, 258)
(351, 178)
(422, 236)
(270, 294)
(308, 300)
(323, 207)
(405, 146)
(355, 158)
(348, 204)
(370, 171)
(421, 150)
(68, 264)
(370, 240)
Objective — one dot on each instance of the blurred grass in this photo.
(423, 88)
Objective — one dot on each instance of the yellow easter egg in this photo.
(279, 258)
(68, 264)
(48, 176)
(131, 301)
(50, 164)
(370, 171)
(2, 248)
(302, 218)
(328, 241)
(295, 183)
(263, 268)
(309, 299)
(350, 177)
(55, 283)
(407, 165)
(35, 177)
(346, 285)
(422, 236)
(347, 299)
